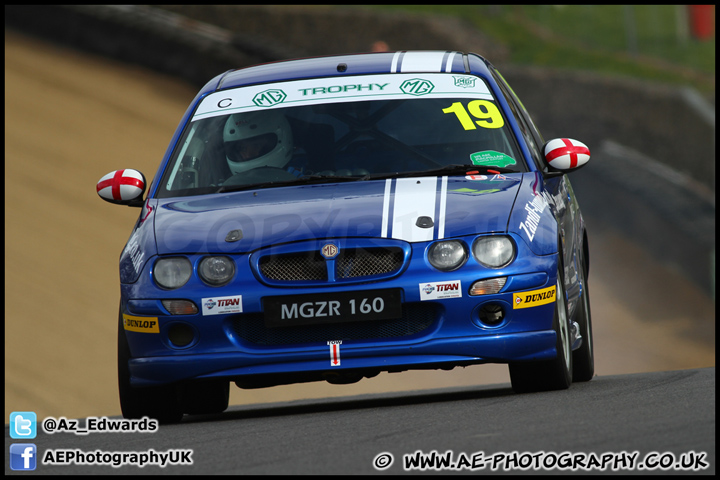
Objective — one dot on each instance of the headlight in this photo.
(448, 255)
(172, 272)
(216, 271)
(494, 251)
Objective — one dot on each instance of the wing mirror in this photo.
(565, 154)
(122, 187)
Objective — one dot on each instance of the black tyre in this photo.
(584, 357)
(205, 397)
(160, 403)
(555, 374)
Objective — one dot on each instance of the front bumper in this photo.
(438, 353)
(432, 333)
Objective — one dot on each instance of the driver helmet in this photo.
(257, 139)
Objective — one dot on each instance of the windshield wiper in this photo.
(304, 180)
(454, 169)
(249, 186)
(322, 178)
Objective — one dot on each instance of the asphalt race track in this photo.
(626, 423)
(71, 118)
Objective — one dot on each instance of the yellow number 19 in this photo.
(488, 114)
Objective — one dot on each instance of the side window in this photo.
(533, 129)
(530, 140)
(518, 113)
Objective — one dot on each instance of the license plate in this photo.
(332, 308)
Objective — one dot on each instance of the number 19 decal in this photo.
(486, 112)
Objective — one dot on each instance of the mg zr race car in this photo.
(333, 218)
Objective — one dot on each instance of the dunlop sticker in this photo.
(533, 298)
(141, 324)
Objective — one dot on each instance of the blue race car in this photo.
(333, 218)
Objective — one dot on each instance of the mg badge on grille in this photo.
(329, 251)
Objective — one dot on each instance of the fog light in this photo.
(180, 307)
(180, 334)
(492, 314)
(488, 287)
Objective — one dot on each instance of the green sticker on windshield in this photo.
(492, 158)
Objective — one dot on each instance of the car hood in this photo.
(412, 209)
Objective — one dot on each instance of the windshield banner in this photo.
(342, 89)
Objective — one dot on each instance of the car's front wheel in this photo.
(555, 374)
(161, 403)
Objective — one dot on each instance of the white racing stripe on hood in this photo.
(386, 208)
(441, 213)
(407, 199)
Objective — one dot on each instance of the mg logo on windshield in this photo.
(269, 98)
(417, 86)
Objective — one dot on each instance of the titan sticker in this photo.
(219, 305)
(141, 324)
(533, 298)
(440, 290)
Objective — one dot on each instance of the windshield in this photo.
(236, 141)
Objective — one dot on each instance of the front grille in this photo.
(367, 262)
(416, 317)
(294, 267)
(351, 263)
